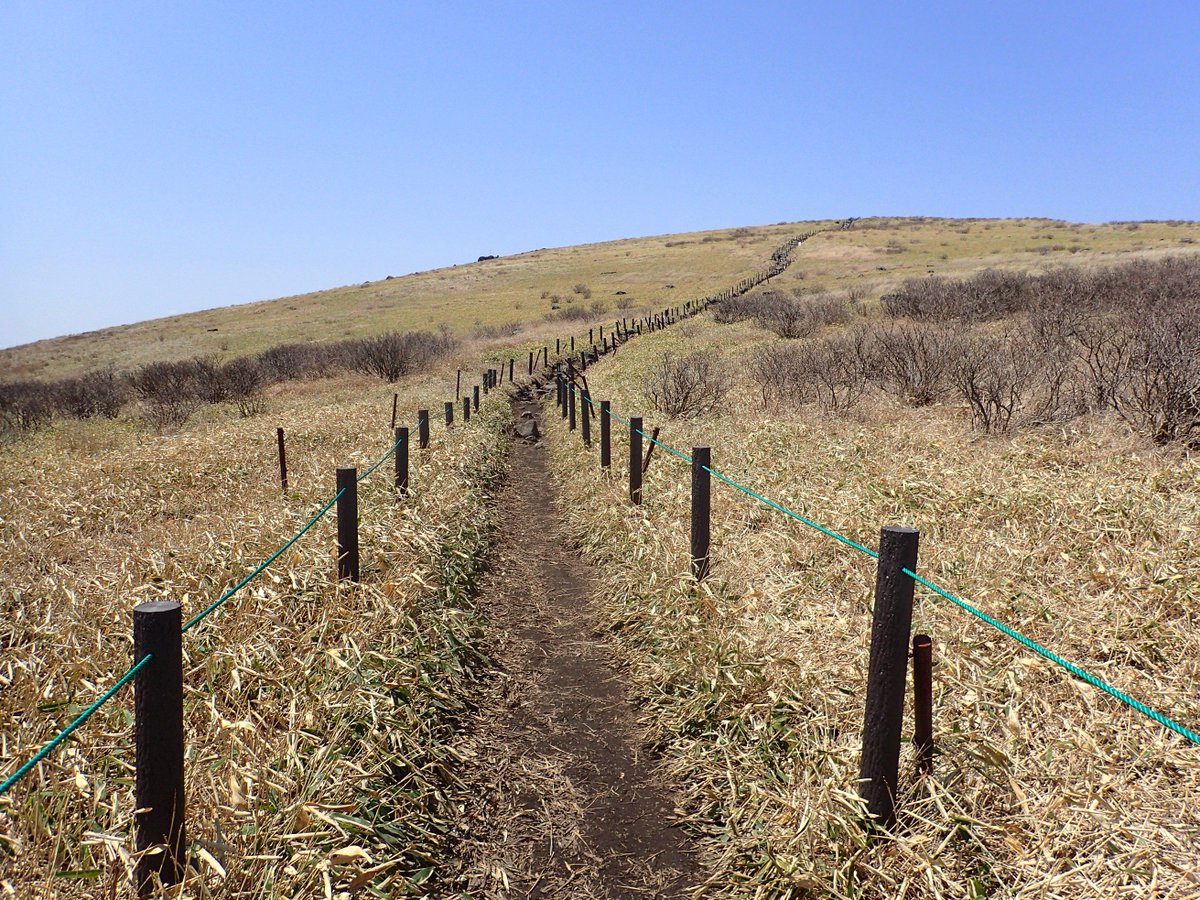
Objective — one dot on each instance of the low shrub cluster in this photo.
(168, 393)
(789, 316)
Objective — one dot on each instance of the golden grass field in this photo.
(314, 708)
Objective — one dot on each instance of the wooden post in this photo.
(395, 399)
(282, 460)
(566, 389)
(530, 362)
(510, 369)
(457, 386)
(558, 346)
(571, 408)
(475, 397)
(572, 344)
(887, 668)
(922, 660)
(585, 410)
(402, 460)
(591, 340)
(466, 409)
(485, 379)
(605, 434)
(347, 524)
(449, 413)
(158, 740)
(423, 429)
(635, 460)
(701, 509)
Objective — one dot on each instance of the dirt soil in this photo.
(566, 801)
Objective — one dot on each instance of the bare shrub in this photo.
(570, 314)
(685, 387)
(168, 391)
(583, 290)
(1161, 395)
(243, 381)
(494, 332)
(788, 317)
(625, 303)
(26, 405)
(914, 360)
(98, 393)
(317, 359)
(993, 375)
(831, 372)
(389, 356)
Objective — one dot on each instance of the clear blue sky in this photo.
(158, 157)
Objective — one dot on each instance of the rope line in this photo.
(79, 720)
(266, 562)
(1031, 644)
(383, 458)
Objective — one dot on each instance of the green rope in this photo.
(652, 440)
(1055, 658)
(79, 720)
(266, 562)
(382, 459)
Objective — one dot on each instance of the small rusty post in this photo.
(423, 429)
(591, 339)
(605, 434)
(475, 397)
(602, 334)
(347, 524)
(571, 408)
(402, 460)
(395, 400)
(922, 661)
(558, 346)
(572, 344)
(701, 509)
(510, 369)
(635, 460)
(530, 362)
(158, 742)
(585, 412)
(546, 353)
(466, 409)
(888, 665)
(282, 460)
(457, 385)
(449, 413)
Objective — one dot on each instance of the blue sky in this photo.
(159, 157)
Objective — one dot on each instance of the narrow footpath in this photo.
(565, 802)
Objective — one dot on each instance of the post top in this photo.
(158, 606)
(900, 529)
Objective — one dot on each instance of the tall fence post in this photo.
(605, 434)
(701, 509)
(571, 408)
(402, 460)
(423, 428)
(395, 400)
(347, 524)
(466, 409)
(283, 482)
(475, 397)
(458, 384)
(530, 362)
(886, 673)
(585, 411)
(922, 662)
(449, 413)
(158, 739)
(485, 378)
(635, 460)
(510, 369)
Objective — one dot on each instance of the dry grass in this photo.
(1082, 539)
(317, 714)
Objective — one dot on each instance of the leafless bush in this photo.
(25, 405)
(243, 382)
(625, 303)
(494, 332)
(583, 290)
(788, 317)
(98, 393)
(913, 360)
(689, 386)
(993, 375)
(317, 359)
(570, 314)
(398, 353)
(1161, 395)
(831, 372)
(169, 392)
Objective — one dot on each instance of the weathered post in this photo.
(282, 460)
(458, 384)
(585, 411)
(605, 434)
(347, 524)
(530, 362)
(566, 389)
(158, 742)
(922, 661)
(449, 406)
(395, 400)
(558, 346)
(484, 379)
(510, 369)
(475, 397)
(591, 339)
(423, 429)
(571, 408)
(402, 460)
(635, 460)
(887, 668)
(466, 409)
(701, 508)
(572, 344)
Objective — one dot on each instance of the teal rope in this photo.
(1055, 658)
(669, 449)
(79, 720)
(383, 458)
(266, 562)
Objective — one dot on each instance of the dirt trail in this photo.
(565, 801)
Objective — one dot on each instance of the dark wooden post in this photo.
(347, 524)
(701, 508)
(530, 362)
(423, 429)
(466, 409)
(510, 369)
(591, 340)
(485, 379)
(635, 460)
(571, 408)
(572, 344)
(458, 384)
(402, 460)
(158, 740)
(559, 399)
(395, 400)
(475, 397)
(566, 389)
(887, 668)
(449, 413)
(922, 657)
(558, 346)
(605, 434)
(282, 460)
(585, 411)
